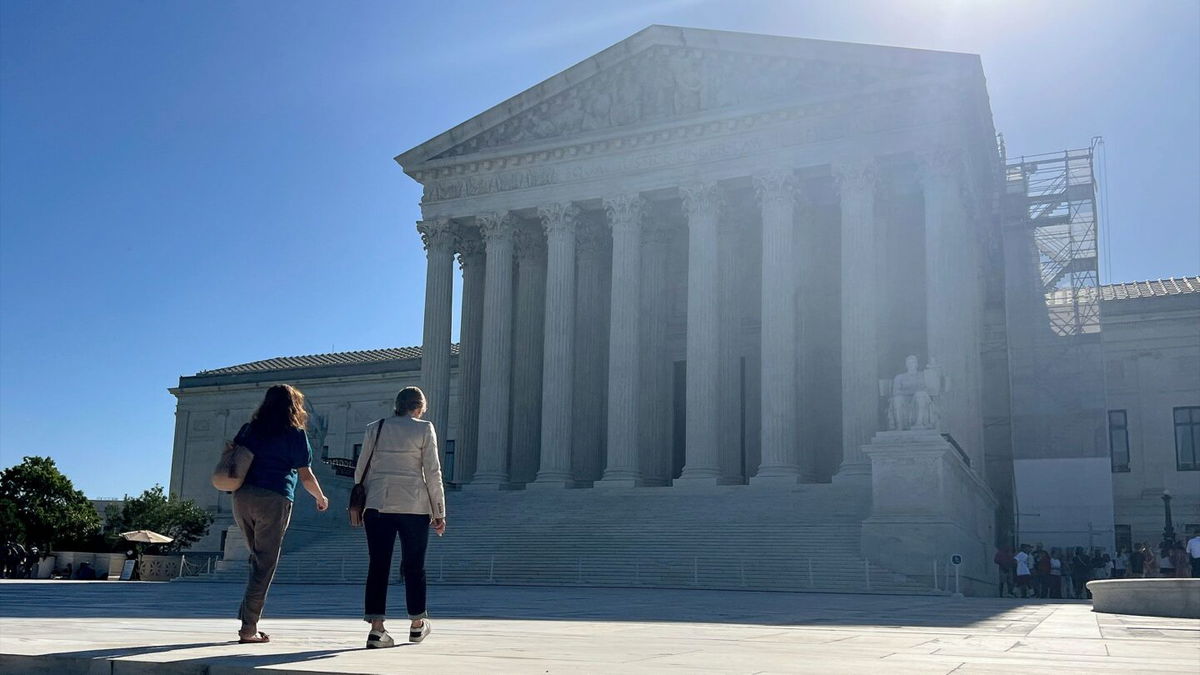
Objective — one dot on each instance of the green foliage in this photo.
(40, 507)
(153, 510)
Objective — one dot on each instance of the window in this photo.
(1118, 440)
(1187, 438)
(357, 450)
(1124, 537)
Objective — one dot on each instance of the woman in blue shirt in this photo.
(262, 507)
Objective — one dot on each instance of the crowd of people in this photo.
(20, 562)
(1063, 572)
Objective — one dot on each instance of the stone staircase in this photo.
(730, 537)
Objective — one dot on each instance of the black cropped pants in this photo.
(382, 530)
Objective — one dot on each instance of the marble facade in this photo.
(690, 259)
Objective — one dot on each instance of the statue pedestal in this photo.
(927, 505)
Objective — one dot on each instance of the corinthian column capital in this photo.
(701, 197)
(625, 211)
(856, 175)
(591, 238)
(496, 225)
(530, 246)
(558, 217)
(470, 248)
(777, 185)
(437, 235)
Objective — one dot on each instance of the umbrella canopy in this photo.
(147, 537)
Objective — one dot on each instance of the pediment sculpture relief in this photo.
(664, 82)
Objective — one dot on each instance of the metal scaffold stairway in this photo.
(1055, 195)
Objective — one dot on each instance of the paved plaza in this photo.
(82, 627)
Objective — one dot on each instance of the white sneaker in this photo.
(418, 634)
(378, 639)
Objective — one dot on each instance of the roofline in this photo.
(342, 370)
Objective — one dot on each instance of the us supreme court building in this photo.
(746, 269)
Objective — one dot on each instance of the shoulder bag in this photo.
(358, 494)
(230, 471)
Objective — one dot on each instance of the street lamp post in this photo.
(1168, 526)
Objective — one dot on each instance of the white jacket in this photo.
(404, 475)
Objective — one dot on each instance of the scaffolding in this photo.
(1057, 399)
(1054, 195)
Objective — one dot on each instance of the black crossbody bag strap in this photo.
(374, 448)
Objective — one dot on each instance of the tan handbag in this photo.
(231, 468)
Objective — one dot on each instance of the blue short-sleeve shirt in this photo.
(276, 458)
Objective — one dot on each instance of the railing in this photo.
(193, 565)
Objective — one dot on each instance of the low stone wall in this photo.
(108, 565)
(1148, 597)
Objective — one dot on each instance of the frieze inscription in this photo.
(802, 129)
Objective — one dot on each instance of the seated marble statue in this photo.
(914, 397)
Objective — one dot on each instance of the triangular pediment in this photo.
(665, 73)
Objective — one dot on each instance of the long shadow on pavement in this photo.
(69, 662)
(215, 600)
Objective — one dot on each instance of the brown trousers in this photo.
(263, 516)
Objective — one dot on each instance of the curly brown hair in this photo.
(282, 408)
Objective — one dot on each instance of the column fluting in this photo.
(558, 371)
(952, 298)
(472, 260)
(856, 181)
(776, 191)
(702, 204)
(496, 359)
(593, 285)
(730, 399)
(654, 406)
(625, 219)
(439, 238)
(528, 331)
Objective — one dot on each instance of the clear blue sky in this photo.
(189, 185)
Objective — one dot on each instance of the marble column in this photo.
(776, 190)
(472, 261)
(496, 359)
(593, 282)
(530, 249)
(655, 379)
(439, 239)
(731, 400)
(702, 204)
(974, 299)
(558, 371)
(949, 268)
(622, 468)
(860, 285)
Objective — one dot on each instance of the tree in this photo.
(39, 506)
(153, 510)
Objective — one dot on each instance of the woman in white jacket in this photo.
(403, 479)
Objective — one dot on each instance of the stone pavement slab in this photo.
(117, 628)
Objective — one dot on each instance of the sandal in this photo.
(254, 639)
